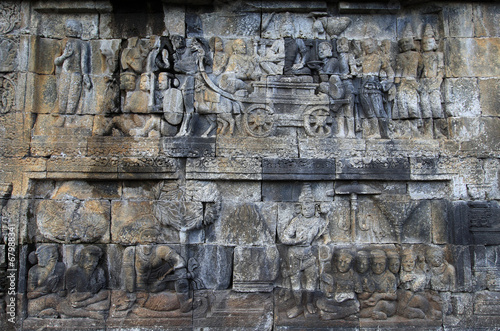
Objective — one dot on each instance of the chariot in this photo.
(283, 101)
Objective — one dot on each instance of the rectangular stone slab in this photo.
(188, 146)
(364, 169)
(298, 169)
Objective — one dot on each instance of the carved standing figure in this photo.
(408, 64)
(431, 77)
(303, 230)
(74, 63)
(186, 67)
(377, 77)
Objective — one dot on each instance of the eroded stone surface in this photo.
(255, 165)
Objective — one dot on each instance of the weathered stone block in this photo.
(368, 169)
(175, 19)
(43, 91)
(12, 138)
(459, 20)
(233, 23)
(330, 148)
(123, 146)
(215, 266)
(477, 135)
(440, 223)
(485, 20)
(228, 310)
(44, 51)
(47, 23)
(68, 221)
(188, 147)
(129, 219)
(462, 97)
(486, 304)
(240, 191)
(208, 168)
(256, 147)
(469, 57)
(255, 268)
(8, 54)
(245, 224)
(81, 165)
(422, 190)
(489, 90)
(298, 169)
(290, 191)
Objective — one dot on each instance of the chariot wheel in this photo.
(317, 122)
(258, 120)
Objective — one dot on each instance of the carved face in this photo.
(386, 46)
(394, 264)
(344, 262)
(218, 46)
(46, 256)
(178, 42)
(429, 44)
(89, 261)
(325, 51)
(148, 236)
(127, 82)
(308, 209)
(408, 263)
(343, 45)
(73, 29)
(144, 83)
(435, 258)
(362, 264)
(368, 46)
(406, 44)
(287, 30)
(163, 81)
(239, 47)
(378, 264)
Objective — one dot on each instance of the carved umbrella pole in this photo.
(353, 190)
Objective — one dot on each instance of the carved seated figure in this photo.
(138, 101)
(85, 284)
(341, 302)
(362, 279)
(329, 64)
(413, 302)
(442, 274)
(239, 69)
(380, 304)
(45, 282)
(128, 124)
(149, 272)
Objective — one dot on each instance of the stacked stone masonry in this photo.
(249, 165)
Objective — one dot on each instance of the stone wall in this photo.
(249, 165)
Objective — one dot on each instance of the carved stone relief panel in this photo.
(251, 164)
